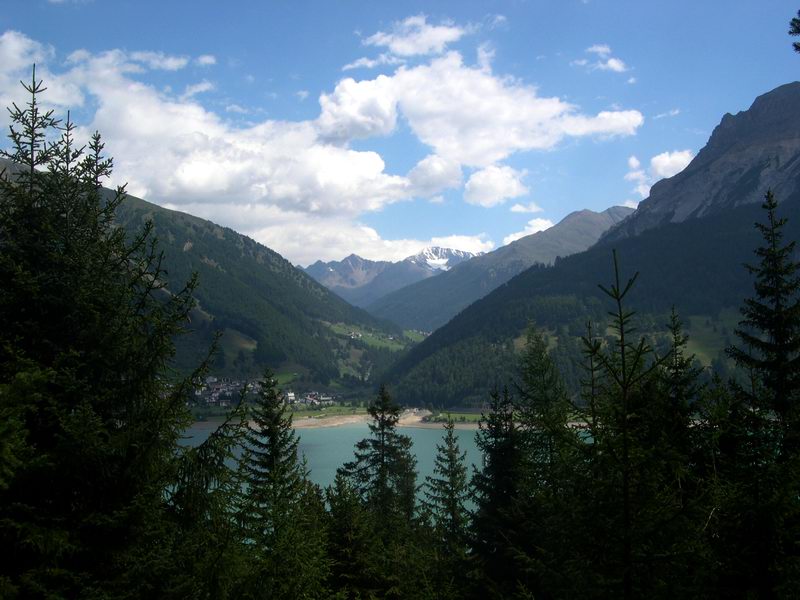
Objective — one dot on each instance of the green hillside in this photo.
(697, 266)
(269, 311)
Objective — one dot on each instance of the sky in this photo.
(325, 128)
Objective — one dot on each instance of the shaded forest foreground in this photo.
(651, 484)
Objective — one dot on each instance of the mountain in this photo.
(270, 312)
(361, 281)
(690, 260)
(747, 154)
(429, 304)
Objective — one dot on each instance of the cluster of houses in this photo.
(226, 392)
(309, 399)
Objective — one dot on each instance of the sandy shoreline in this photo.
(409, 418)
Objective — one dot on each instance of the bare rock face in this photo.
(747, 154)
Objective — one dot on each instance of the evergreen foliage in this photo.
(94, 414)
(446, 494)
(282, 513)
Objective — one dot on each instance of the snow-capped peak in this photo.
(440, 259)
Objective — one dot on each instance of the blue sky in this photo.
(325, 128)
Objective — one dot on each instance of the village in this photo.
(224, 393)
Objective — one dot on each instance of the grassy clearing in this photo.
(458, 417)
(369, 337)
(414, 336)
(328, 411)
(709, 335)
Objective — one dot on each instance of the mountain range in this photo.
(429, 304)
(688, 246)
(361, 281)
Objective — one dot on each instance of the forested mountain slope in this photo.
(271, 312)
(697, 266)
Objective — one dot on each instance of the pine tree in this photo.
(769, 489)
(383, 475)
(770, 329)
(85, 376)
(281, 510)
(446, 495)
(496, 487)
(383, 471)
(794, 29)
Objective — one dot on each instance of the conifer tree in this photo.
(496, 487)
(85, 352)
(768, 491)
(446, 494)
(383, 471)
(281, 510)
(770, 329)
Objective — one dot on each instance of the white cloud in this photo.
(494, 185)
(631, 80)
(670, 113)
(160, 61)
(206, 60)
(358, 109)
(604, 62)
(197, 88)
(533, 226)
(301, 94)
(531, 207)
(612, 64)
(370, 63)
(496, 21)
(668, 164)
(599, 49)
(434, 174)
(414, 36)
(298, 186)
(631, 203)
(485, 56)
(661, 166)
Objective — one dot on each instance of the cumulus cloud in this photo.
(531, 207)
(434, 174)
(299, 186)
(463, 113)
(661, 166)
(415, 36)
(358, 109)
(494, 185)
(301, 94)
(533, 226)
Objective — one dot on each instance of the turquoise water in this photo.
(328, 448)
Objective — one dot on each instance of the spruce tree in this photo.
(770, 329)
(281, 510)
(383, 471)
(446, 495)
(497, 487)
(85, 351)
(769, 489)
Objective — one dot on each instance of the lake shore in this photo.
(409, 418)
